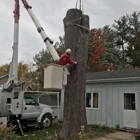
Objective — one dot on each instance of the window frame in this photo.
(124, 101)
(92, 100)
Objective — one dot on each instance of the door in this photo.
(31, 108)
(129, 112)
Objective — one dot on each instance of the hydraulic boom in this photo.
(13, 74)
(45, 38)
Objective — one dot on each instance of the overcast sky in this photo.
(50, 14)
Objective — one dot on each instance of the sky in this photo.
(50, 14)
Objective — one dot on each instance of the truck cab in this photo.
(31, 108)
(34, 112)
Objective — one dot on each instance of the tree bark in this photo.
(76, 38)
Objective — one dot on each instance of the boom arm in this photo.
(13, 74)
(16, 39)
(45, 38)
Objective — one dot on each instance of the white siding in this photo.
(109, 107)
(111, 102)
(93, 117)
(121, 105)
(115, 106)
(88, 112)
(103, 106)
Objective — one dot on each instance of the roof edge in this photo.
(113, 80)
(3, 76)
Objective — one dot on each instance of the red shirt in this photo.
(65, 59)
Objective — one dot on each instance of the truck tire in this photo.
(46, 121)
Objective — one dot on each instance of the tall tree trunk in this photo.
(76, 38)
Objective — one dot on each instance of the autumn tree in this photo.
(96, 61)
(4, 69)
(23, 70)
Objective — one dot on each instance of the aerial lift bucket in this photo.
(55, 76)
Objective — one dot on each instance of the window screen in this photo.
(129, 101)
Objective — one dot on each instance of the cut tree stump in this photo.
(76, 38)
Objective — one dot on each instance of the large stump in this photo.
(76, 38)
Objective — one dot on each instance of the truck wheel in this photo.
(46, 121)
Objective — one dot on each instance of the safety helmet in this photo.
(68, 51)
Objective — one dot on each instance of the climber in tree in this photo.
(65, 59)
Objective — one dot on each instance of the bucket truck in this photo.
(13, 105)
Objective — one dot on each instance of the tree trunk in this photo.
(76, 38)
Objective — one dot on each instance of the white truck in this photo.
(19, 108)
(26, 109)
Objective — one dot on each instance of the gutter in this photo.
(131, 79)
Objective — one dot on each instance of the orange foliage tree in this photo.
(23, 69)
(96, 61)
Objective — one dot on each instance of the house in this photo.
(19, 85)
(113, 98)
(3, 79)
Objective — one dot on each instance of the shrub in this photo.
(117, 126)
(7, 133)
(82, 135)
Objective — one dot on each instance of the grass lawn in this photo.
(44, 134)
(52, 133)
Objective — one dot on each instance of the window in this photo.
(129, 101)
(88, 99)
(92, 100)
(95, 100)
(30, 101)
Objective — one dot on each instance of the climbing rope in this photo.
(72, 23)
(82, 6)
(76, 4)
(82, 9)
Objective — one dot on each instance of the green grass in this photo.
(52, 133)
(98, 130)
(45, 134)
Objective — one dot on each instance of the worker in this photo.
(65, 59)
